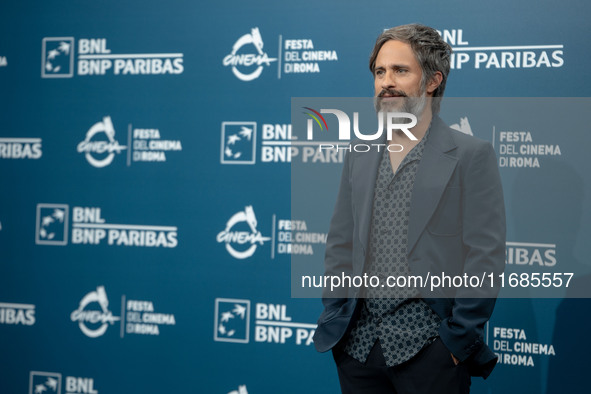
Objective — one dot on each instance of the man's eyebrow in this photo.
(396, 66)
(392, 66)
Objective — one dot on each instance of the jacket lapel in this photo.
(365, 170)
(433, 174)
(436, 167)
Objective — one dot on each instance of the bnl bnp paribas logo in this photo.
(100, 147)
(58, 59)
(41, 382)
(500, 56)
(272, 323)
(88, 227)
(240, 145)
(20, 148)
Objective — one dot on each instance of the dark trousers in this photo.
(431, 371)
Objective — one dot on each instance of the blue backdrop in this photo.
(145, 215)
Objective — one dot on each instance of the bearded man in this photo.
(433, 207)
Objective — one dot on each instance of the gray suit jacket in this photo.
(457, 226)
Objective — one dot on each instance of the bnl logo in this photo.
(44, 382)
(231, 320)
(238, 143)
(51, 383)
(52, 224)
(57, 57)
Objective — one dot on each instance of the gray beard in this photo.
(412, 105)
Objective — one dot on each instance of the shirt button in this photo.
(379, 320)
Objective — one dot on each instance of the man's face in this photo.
(397, 80)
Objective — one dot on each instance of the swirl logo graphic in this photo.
(234, 239)
(248, 60)
(315, 115)
(95, 150)
(87, 319)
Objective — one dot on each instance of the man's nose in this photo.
(389, 80)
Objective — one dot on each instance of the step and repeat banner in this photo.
(146, 223)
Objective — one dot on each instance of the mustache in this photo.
(392, 92)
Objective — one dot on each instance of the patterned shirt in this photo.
(402, 322)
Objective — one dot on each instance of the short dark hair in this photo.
(432, 53)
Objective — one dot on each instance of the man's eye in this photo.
(380, 72)
(401, 70)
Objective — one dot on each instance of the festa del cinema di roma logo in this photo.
(236, 234)
(100, 146)
(138, 317)
(251, 64)
(100, 152)
(94, 322)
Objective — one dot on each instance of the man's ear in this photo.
(434, 82)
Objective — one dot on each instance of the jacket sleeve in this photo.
(338, 258)
(483, 240)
